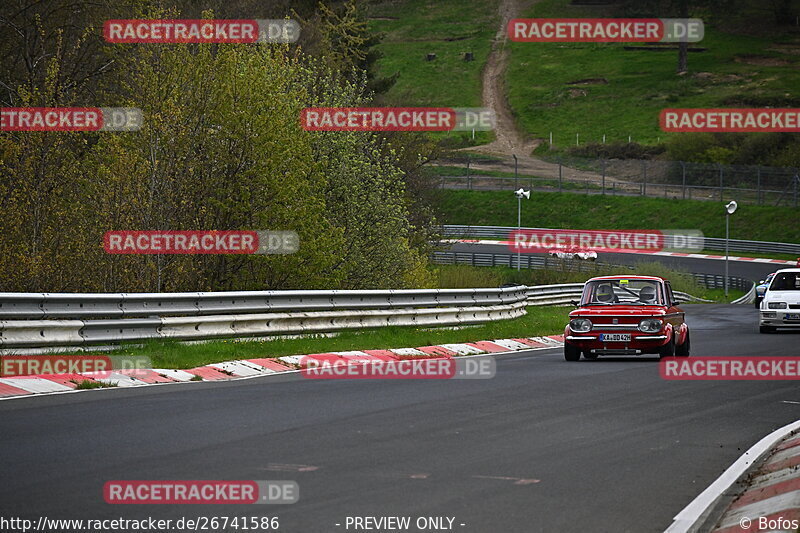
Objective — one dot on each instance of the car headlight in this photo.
(650, 325)
(776, 305)
(580, 325)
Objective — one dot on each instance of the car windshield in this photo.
(785, 281)
(622, 292)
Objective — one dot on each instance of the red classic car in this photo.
(626, 315)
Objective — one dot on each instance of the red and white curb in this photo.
(771, 500)
(647, 252)
(19, 387)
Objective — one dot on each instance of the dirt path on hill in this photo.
(509, 140)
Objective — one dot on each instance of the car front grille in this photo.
(616, 327)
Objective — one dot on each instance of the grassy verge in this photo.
(86, 384)
(788, 257)
(538, 321)
(564, 210)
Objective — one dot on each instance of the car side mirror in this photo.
(575, 303)
(677, 302)
(761, 282)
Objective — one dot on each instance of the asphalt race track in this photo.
(753, 271)
(546, 445)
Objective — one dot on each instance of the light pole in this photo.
(730, 209)
(520, 194)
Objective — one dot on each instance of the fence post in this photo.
(720, 181)
(516, 178)
(758, 186)
(603, 184)
(559, 174)
(683, 167)
(644, 178)
(796, 180)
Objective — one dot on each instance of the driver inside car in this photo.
(605, 294)
(647, 294)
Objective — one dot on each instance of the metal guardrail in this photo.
(711, 243)
(36, 320)
(749, 296)
(125, 305)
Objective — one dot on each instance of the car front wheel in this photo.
(683, 349)
(668, 350)
(571, 353)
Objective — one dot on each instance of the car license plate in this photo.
(793, 316)
(615, 337)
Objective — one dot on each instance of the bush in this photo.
(616, 151)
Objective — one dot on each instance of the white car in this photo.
(780, 307)
(565, 253)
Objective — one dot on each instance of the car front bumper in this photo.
(640, 342)
(778, 318)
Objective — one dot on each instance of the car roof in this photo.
(794, 270)
(649, 278)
